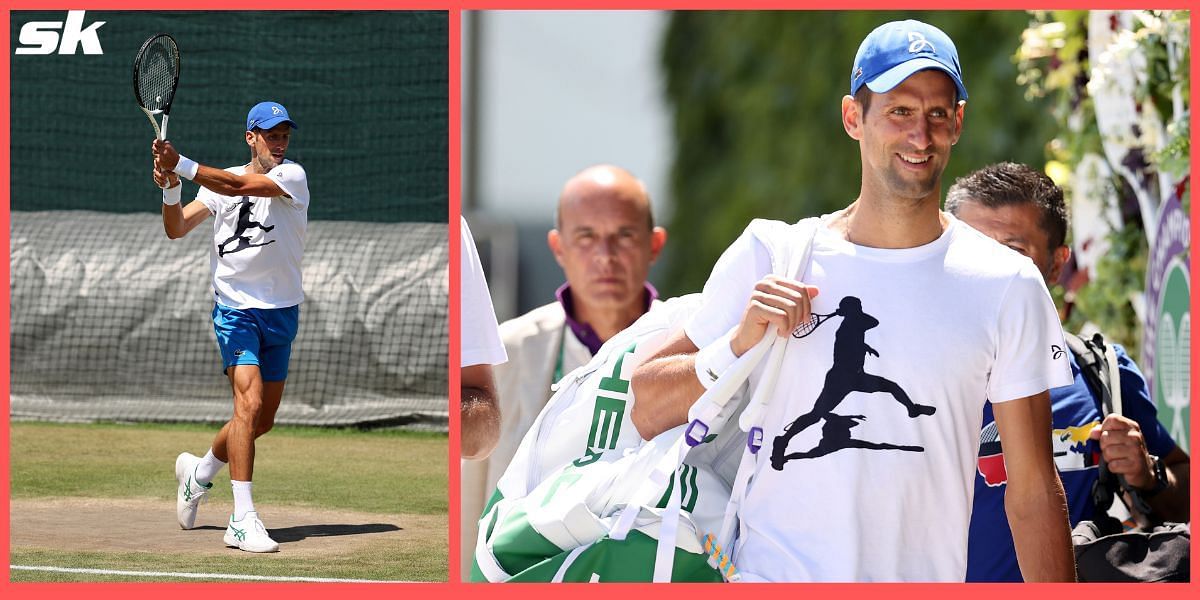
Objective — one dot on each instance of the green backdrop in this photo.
(368, 90)
(756, 99)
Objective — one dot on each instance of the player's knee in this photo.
(247, 410)
(263, 427)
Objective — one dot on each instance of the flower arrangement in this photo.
(1119, 81)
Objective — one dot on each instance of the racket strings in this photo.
(156, 74)
(810, 325)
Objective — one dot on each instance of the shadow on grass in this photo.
(285, 535)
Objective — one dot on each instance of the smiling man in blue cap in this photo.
(261, 211)
(849, 484)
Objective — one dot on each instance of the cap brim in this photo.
(269, 123)
(892, 77)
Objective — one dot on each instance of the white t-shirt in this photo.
(258, 243)
(869, 490)
(478, 332)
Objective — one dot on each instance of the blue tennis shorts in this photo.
(257, 336)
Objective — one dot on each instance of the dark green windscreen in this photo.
(367, 89)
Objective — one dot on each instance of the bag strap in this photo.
(1097, 369)
(679, 441)
(1093, 366)
(1118, 407)
(705, 411)
(1114, 378)
(792, 262)
(1101, 372)
(704, 415)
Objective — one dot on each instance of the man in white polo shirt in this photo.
(261, 211)
(867, 458)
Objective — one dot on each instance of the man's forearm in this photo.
(480, 423)
(218, 180)
(1041, 531)
(172, 213)
(665, 388)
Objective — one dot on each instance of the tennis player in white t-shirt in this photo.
(866, 467)
(261, 211)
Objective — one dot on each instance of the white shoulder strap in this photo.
(792, 262)
(790, 258)
(790, 247)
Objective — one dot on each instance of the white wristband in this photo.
(186, 168)
(713, 359)
(172, 195)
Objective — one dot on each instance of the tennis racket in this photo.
(814, 321)
(155, 77)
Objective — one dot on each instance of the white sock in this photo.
(242, 502)
(207, 468)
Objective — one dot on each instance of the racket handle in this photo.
(163, 134)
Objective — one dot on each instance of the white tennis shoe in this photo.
(190, 493)
(249, 534)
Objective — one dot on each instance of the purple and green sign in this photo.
(1166, 348)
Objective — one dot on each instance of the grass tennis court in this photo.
(343, 504)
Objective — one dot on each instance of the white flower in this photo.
(1150, 20)
(1151, 127)
(1094, 211)
(1041, 41)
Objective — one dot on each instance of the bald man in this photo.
(605, 241)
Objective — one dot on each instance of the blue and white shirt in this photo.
(991, 555)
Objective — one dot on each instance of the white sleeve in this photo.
(1031, 353)
(291, 178)
(728, 289)
(209, 199)
(478, 331)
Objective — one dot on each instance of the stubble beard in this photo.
(266, 163)
(905, 187)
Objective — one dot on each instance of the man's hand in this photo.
(1124, 449)
(776, 301)
(165, 179)
(165, 156)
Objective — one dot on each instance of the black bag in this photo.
(1160, 554)
(1104, 550)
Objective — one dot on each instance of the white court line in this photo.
(229, 576)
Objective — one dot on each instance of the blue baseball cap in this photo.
(266, 115)
(898, 49)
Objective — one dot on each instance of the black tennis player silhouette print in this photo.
(848, 374)
(245, 222)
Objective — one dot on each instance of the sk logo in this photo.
(42, 37)
(917, 43)
(1056, 352)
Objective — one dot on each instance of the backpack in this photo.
(1104, 550)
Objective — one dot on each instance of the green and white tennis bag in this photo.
(586, 499)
